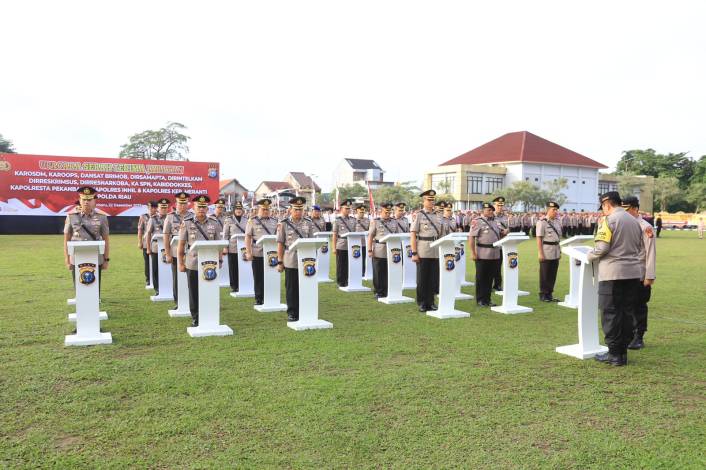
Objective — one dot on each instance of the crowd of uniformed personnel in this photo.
(625, 247)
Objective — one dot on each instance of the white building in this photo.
(359, 171)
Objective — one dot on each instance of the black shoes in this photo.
(547, 298)
(194, 323)
(637, 342)
(422, 309)
(616, 360)
(433, 307)
(487, 304)
(292, 317)
(259, 302)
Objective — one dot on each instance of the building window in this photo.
(603, 187)
(443, 183)
(474, 184)
(493, 183)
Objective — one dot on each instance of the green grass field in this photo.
(386, 387)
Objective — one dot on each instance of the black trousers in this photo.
(618, 301)
(659, 230)
(233, 271)
(498, 274)
(155, 272)
(258, 275)
(175, 288)
(643, 297)
(363, 260)
(380, 276)
(192, 277)
(291, 287)
(547, 276)
(485, 270)
(342, 268)
(146, 259)
(427, 281)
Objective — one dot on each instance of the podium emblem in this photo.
(309, 265)
(164, 256)
(458, 254)
(324, 248)
(209, 270)
(449, 262)
(512, 260)
(87, 273)
(356, 251)
(408, 248)
(396, 255)
(272, 259)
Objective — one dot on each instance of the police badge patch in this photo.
(87, 273)
(458, 254)
(272, 259)
(408, 248)
(512, 260)
(396, 255)
(324, 248)
(209, 270)
(449, 262)
(355, 249)
(309, 266)
(164, 255)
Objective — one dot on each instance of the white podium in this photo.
(151, 284)
(323, 255)
(588, 345)
(409, 267)
(272, 278)
(165, 272)
(368, 274)
(460, 257)
(356, 251)
(225, 273)
(87, 294)
(448, 278)
(209, 290)
(183, 309)
(308, 285)
(571, 300)
(395, 268)
(462, 268)
(511, 274)
(245, 280)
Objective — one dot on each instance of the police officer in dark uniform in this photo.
(156, 227)
(343, 224)
(380, 227)
(484, 232)
(426, 229)
(548, 238)
(501, 219)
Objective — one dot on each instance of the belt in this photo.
(549, 243)
(378, 241)
(427, 239)
(485, 245)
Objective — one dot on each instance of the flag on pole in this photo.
(336, 204)
(371, 201)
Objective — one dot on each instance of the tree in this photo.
(666, 190)
(6, 145)
(167, 143)
(555, 191)
(649, 162)
(406, 192)
(522, 192)
(697, 195)
(350, 191)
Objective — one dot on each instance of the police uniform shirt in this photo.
(141, 225)
(220, 220)
(550, 230)
(81, 224)
(487, 232)
(190, 232)
(502, 220)
(450, 224)
(155, 226)
(231, 227)
(379, 228)
(318, 224)
(402, 224)
(428, 227)
(287, 234)
(618, 247)
(172, 224)
(362, 224)
(258, 227)
(650, 249)
(341, 226)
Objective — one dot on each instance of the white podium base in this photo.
(355, 289)
(325, 280)
(76, 340)
(395, 300)
(71, 301)
(179, 314)
(511, 310)
(463, 296)
(519, 293)
(101, 316)
(448, 314)
(302, 325)
(238, 295)
(575, 350)
(200, 331)
(161, 298)
(148, 287)
(467, 283)
(566, 303)
(271, 308)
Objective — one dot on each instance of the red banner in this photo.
(47, 185)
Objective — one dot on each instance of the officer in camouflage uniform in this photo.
(142, 236)
(548, 238)
(425, 229)
(484, 232)
(193, 229)
(172, 224)
(343, 224)
(380, 227)
(289, 231)
(156, 226)
(256, 228)
(237, 223)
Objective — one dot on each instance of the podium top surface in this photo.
(575, 240)
(89, 245)
(307, 243)
(323, 234)
(451, 237)
(354, 234)
(201, 244)
(516, 234)
(394, 236)
(577, 252)
(237, 236)
(156, 237)
(265, 238)
(175, 240)
(510, 240)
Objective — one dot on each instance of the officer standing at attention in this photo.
(256, 228)
(289, 231)
(448, 218)
(171, 229)
(237, 223)
(631, 204)
(156, 226)
(548, 238)
(380, 227)
(484, 232)
(400, 220)
(504, 224)
(318, 222)
(620, 267)
(425, 229)
(343, 224)
(219, 213)
(362, 224)
(193, 229)
(87, 225)
(142, 236)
